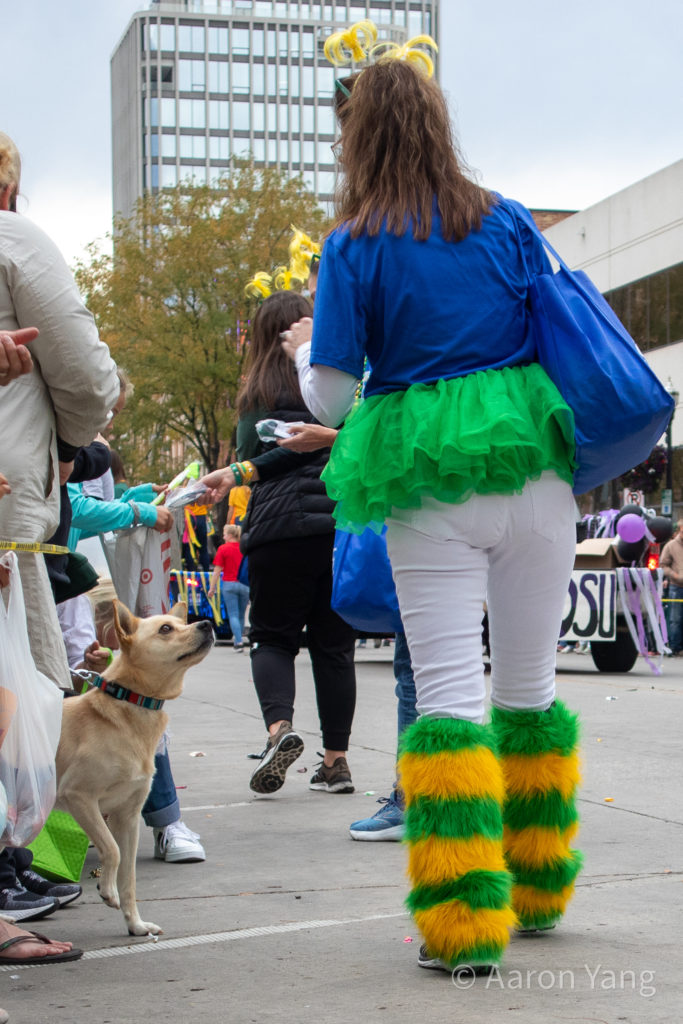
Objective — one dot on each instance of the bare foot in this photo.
(30, 947)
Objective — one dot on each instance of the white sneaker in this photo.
(177, 844)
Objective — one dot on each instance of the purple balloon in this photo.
(631, 528)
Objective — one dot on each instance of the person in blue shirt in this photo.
(464, 447)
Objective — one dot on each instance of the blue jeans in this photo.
(675, 618)
(235, 599)
(162, 806)
(405, 684)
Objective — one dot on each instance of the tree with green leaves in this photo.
(170, 303)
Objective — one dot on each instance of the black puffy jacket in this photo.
(289, 500)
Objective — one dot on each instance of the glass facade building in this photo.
(651, 309)
(198, 82)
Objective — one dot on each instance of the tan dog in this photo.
(105, 759)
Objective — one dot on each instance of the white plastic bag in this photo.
(27, 754)
(139, 562)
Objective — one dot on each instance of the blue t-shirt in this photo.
(423, 311)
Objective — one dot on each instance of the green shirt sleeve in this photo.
(248, 443)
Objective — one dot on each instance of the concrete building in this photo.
(631, 246)
(196, 82)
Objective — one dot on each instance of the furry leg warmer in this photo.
(538, 750)
(453, 788)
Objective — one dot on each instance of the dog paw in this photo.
(144, 928)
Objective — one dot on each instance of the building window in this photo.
(218, 76)
(168, 113)
(295, 118)
(309, 152)
(272, 151)
(307, 87)
(258, 42)
(219, 147)
(282, 76)
(240, 117)
(169, 175)
(193, 147)
(258, 117)
(308, 42)
(326, 125)
(651, 309)
(259, 150)
(272, 117)
(194, 174)
(168, 145)
(263, 8)
(284, 151)
(240, 40)
(272, 80)
(295, 151)
(294, 77)
(218, 40)
(191, 38)
(167, 38)
(191, 75)
(154, 112)
(326, 182)
(240, 78)
(192, 113)
(258, 75)
(272, 42)
(219, 114)
(309, 119)
(325, 81)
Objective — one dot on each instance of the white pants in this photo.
(516, 552)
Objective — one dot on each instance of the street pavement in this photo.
(290, 920)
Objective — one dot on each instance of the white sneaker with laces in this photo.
(177, 844)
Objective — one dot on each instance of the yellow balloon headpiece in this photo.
(351, 46)
(359, 44)
(302, 251)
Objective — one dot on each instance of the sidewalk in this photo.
(290, 921)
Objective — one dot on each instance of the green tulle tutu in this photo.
(485, 433)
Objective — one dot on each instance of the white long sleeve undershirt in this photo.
(328, 393)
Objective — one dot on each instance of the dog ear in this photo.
(125, 623)
(179, 609)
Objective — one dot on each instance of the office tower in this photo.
(196, 82)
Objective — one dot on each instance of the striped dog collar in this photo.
(112, 688)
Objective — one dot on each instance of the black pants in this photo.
(12, 861)
(290, 583)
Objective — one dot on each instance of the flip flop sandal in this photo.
(57, 958)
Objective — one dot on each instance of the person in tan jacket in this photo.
(48, 413)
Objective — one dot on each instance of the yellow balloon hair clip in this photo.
(284, 279)
(411, 51)
(353, 45)
(302, 249)
(260, 286)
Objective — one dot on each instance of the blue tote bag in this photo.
(363, 590)
(620, 407)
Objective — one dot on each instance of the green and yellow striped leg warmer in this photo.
(453, 788)
(538, 750)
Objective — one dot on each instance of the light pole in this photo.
(669, 448)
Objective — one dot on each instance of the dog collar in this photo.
(112, 688)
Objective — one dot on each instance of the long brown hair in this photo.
(398, 154)
(271, 378)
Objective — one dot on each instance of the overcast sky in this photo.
(556, 104)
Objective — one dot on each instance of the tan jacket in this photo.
(69, 392)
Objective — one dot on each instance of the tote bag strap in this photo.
(591, 295)
(519, 212)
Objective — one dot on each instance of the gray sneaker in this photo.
(336, 779)
(281, 751)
